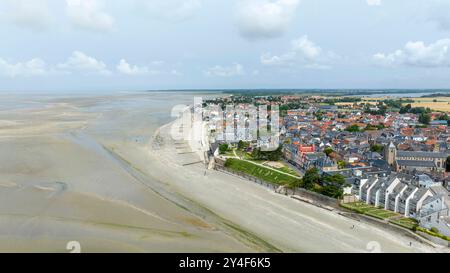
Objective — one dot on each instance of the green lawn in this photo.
(247, 156)
(408, 223)
(381, 213)
(392, 217)
(229, 153)
(260, 172)
(288, 170)
(363, 208)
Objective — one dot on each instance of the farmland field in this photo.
(435, 104)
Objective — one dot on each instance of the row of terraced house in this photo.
(416, 197)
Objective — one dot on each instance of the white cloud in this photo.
(82, 64)
(85, 64)
(171, 10)
(125, 68)
(32, 14)
(77, 62)
(306, 48)
(155, 68)
(265, 18)
(34, 67)
(418, 54)
(374, 2)
(88, 14)
(225, 71)
(303, 52)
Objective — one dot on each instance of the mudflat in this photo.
(59, 183)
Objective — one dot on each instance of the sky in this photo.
(80, 45)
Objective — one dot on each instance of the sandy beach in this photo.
(58, 183)
(103, 170)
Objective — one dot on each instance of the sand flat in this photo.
(58, 186)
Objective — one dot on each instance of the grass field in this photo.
(260, 172)
(363, 208)
(285, 169)
(408, 223)
(392, 217)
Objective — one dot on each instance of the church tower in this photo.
(390, 154)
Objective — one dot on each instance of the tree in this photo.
(443, 117)
(335, 179)
(275, 155)
(242, 145)
(298, 183)
(352, 128)
(256, 153)
(447, 164)
(333, 185)
(377, 148)
(370, 127)
(283, 110)
(328, 151)
(311, 178)
(268, 155)
(341, 164)
(319, 115)
(405, 109)
(435, 230)
(223, 148)
(424, 118)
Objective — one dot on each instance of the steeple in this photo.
(392, 146)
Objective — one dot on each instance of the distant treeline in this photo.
(329, 92)
(342, 100)
(436, 95)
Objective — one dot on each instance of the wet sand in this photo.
(58, 183)
(88, 169)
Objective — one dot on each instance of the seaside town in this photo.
(385, 158)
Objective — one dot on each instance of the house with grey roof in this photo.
(398, 193)
(416, 165)
(424, 181)
(394, 198)
(437, 158)
(376, 190)
(435, 214)
(408, 161)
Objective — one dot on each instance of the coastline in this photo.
(393, 242)
(91, 171)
